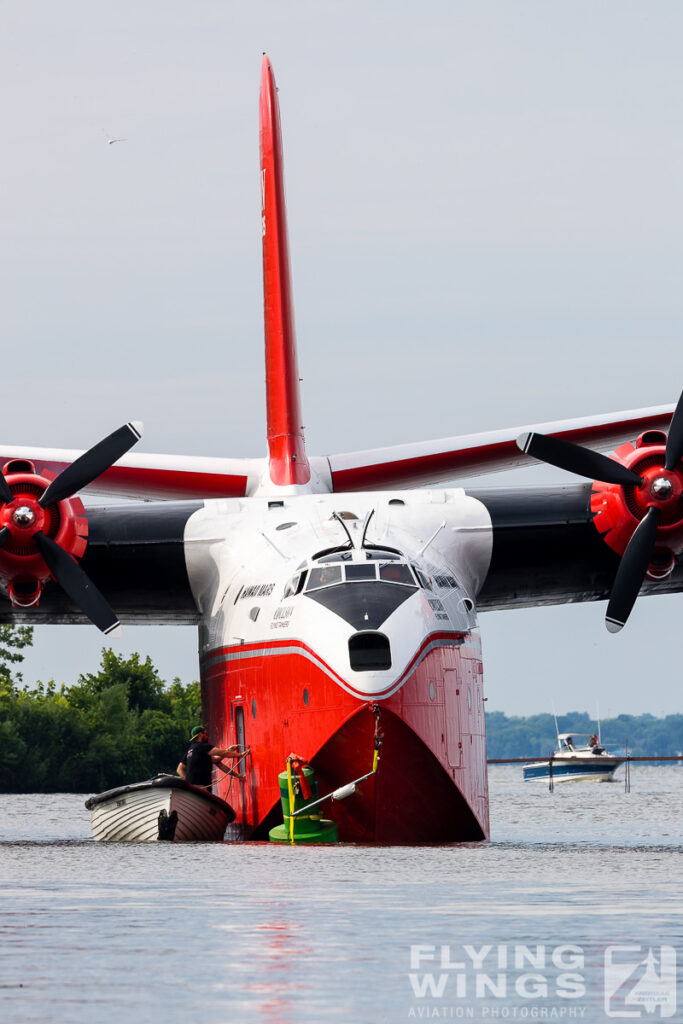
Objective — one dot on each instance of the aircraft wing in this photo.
(547, 550)
(148, 476)
(467, 456)
(178, 477)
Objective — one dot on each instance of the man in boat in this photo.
(201, 756)
(594, 744)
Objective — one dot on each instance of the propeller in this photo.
(91, 464)
(5, 493)
(674, 442)
(640, 549)
(29, 517)
(631, 571)
(576, 459)
(78, 586)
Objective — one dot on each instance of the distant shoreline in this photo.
(534, 735)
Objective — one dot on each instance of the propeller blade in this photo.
(631, 571)
(575, 459)
(674, 442)
(76, 584)
(5, 493)
(91, 464)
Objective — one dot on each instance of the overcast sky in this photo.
(486, 218)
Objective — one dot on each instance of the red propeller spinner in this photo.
(43, 528)
(636, 503)
(22, 567)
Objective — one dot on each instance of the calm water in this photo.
(224, 932)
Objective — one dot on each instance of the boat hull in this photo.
(131, 813)
(573, 770)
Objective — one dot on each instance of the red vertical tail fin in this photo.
(288, 462)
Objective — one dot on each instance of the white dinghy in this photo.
(165, 808)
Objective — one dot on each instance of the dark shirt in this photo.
(198, 764)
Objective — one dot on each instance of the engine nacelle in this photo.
(22, 568)
(618, 509)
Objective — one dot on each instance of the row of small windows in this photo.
(357, 572)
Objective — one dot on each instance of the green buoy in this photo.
(303, 827)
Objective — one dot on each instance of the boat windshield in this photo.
(580, 742)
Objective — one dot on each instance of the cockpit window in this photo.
(396, 572)
(326, 576)
(360, 572)
(424, 580)
(295, 585)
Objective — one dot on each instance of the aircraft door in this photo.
(239, 734)
(242, 765)
(451, 689)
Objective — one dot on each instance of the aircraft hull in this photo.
(278, 698)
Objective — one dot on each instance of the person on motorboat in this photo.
(569, 743)
(594, 744)
(195, 767)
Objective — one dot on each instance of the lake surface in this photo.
(524, 927)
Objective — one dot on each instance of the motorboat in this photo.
(575, 761)
(164, 808)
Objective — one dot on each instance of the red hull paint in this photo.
(431, 785)
(288, 462)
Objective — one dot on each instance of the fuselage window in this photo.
(396, 572)
(326, 576)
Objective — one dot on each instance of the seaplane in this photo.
(337, 597)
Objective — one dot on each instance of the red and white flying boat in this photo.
(335, 592)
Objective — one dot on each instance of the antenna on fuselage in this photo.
(340, 519)
(366, 523)
(436, 533)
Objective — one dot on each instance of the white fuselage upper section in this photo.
(365, 581)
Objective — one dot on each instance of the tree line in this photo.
(115, 726)
(534, 736)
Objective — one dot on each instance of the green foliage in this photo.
(118, 725)
(12, 640)
(535, 736)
